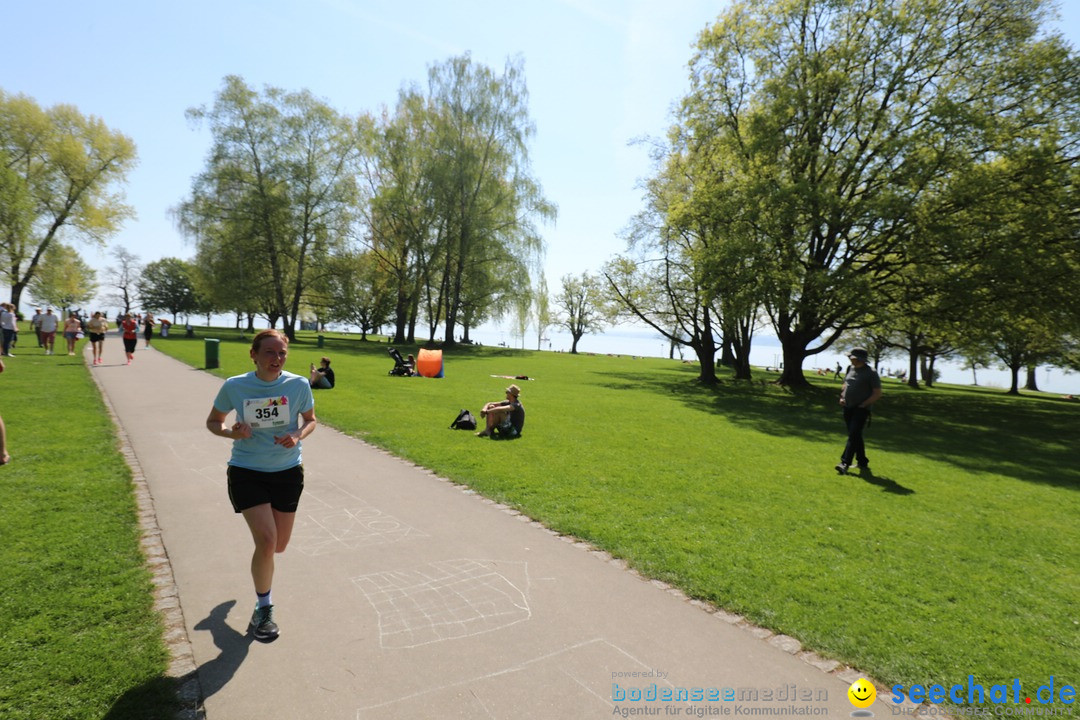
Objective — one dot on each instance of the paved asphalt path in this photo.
(405, 596)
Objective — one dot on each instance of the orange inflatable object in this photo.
(429, 363)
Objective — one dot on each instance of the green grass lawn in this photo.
(78, 634)
(959, 556)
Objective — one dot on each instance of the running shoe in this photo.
(262, 624)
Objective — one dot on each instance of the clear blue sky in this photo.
(599, 73)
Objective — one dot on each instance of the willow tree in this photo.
(280, 178)
(486, 199)
(59, 183)
(401, 227)
(840, 118)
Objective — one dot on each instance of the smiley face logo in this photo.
(861, 693)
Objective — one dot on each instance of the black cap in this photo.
(859, 354)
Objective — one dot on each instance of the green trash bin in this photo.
(212, 346)
(321, 340)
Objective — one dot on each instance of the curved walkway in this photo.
(405, 596)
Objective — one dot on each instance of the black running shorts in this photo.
(281, 489)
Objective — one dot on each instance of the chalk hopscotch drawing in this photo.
(446, 600)
(331, 518)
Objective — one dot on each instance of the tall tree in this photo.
(484, 192)
(523, 304)
(839, 119)
(401, 225)
(1022, 238)
(63, 279)
(281, 172)
(59, 183)
(122, 277)
(541, 308)
(581, 302)
(661, 281)
(356, 289)
(168, 284)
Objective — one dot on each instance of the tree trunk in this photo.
(706, 353)
(401, 313)
(791, 375)
(16, 293)
(573, 346)
(728, 356)
(1015, 388)
(913, 364)
(1031, 384)
(928, 371)
(741, 363)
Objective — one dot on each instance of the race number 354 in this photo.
(266, 413)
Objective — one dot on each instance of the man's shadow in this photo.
(889, 486)
(215, 674)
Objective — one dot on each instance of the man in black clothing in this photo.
(862, 388)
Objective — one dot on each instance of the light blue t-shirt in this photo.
(271, 408)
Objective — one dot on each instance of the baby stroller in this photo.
(401, 367)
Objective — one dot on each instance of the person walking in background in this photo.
(275, 411)
(131, 336)
(72, 329)
(861, 389)
(148, 328)
(97, 327)
(35, 322)
(9, 325)
(49, 324)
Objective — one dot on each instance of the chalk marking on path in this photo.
(445, 600)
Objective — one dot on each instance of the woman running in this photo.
(131, 336)
(275, 410)
(96, 328)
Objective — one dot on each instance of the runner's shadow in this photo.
(889, 486)
(233, 645)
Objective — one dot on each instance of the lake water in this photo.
(766, 352)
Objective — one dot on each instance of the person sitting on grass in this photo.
(505, 418)
(322, 376)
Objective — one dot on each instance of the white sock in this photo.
(263, 600)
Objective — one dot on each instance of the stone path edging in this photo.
(182, 668)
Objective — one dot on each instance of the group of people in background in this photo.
(77, 325)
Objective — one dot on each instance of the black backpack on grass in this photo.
(464, 421)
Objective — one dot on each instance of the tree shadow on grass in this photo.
(1030, 438)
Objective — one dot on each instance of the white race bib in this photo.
(269, 412)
